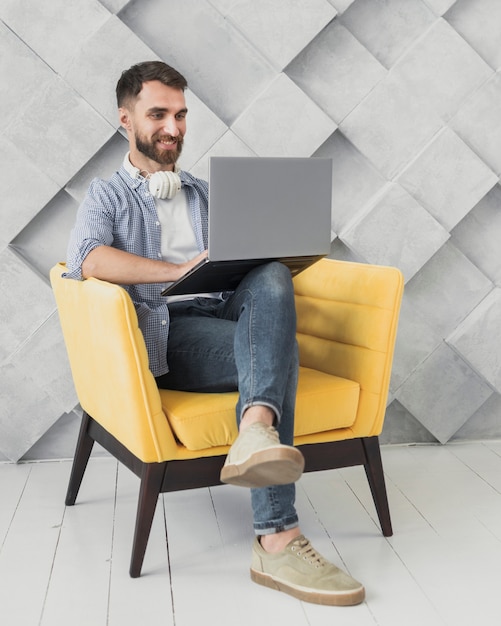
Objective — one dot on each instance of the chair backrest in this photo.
(109, 364)
(347, 325)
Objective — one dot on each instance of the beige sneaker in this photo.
(303, 573)
(258, 459)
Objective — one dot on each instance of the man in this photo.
(146, 227)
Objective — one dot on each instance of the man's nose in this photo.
(170, 127)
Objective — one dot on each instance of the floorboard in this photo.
(84, 547)
(69, 565)
(29, 549)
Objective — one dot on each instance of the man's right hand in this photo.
(184, 268)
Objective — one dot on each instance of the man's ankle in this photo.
(277, 542)
(257, 413)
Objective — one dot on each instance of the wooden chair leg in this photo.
(375, 476)
(152, 477)
(83, 449)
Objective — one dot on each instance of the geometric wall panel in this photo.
(341, 5)
(277, 31)
(17, 170)
(440, 7)
(96, 66)
(64, 115)
(441, 70)
(336, 57)
(387, 29)
(404, 96)
(443, 393)
(54, 30)
(102, 165)
(447, 289)
(265, 125)
(29, 70)
(390, 126)
(222, 68)
(355, 181)
(448, 179)
(484, 424)
(478, 339)
(114, 6)
(400, 426)
(477, 235)
(479, 23)
(417, 339)
(387, 233)
(477, 123)
(229, 143)
(25, 303)
(27, 411)
(205, 128)
(43, 359)
(38, 389)
(44, 240)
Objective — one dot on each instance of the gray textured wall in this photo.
(405, 95)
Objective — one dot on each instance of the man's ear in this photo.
(124, 118)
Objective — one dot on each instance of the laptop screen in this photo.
(262, 207)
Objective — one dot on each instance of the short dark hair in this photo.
(131, 81)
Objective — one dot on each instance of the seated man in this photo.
(147, 226)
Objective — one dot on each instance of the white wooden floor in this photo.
(69, 566)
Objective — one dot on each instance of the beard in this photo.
(151, 150)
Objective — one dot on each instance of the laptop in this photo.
(261, 209)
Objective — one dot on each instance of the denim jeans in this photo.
(246, 343)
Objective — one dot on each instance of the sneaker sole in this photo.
(340, 598)
(272, 466)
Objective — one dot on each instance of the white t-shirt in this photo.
(178, 243)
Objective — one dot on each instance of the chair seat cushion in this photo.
(206, 420)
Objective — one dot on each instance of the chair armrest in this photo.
(109, 364)
(347, 318)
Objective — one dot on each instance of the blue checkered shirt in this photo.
(122, 213)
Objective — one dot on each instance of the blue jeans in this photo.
(245, 343)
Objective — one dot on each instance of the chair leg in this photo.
(375, 476)
(83, 449)
(151, 483)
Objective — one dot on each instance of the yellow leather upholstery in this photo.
(347, 322)
(201, 420)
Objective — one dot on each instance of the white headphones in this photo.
(164, 184)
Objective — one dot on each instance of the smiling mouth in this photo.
(168, 141)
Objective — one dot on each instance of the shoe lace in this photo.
(303, 549)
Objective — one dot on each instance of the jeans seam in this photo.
(252, 346)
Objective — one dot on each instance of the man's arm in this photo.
(124, 268)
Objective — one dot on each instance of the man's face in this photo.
(156, 125)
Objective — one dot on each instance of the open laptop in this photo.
(261, 209)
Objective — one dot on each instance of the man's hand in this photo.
(184, 268)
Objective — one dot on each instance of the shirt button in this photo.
(157, 223)
(164, 322)
(159, 255)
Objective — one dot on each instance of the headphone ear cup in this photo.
(164, 185)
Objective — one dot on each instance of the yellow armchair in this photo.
(346, 329)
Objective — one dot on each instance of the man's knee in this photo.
(275, 277)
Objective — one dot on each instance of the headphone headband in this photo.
(161, 184)
(164, 184)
